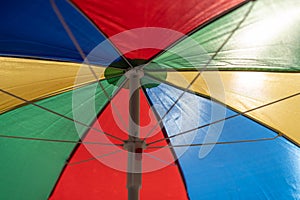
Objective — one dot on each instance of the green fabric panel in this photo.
(268, 40)
(33, 167)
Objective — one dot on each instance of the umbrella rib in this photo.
(219, 67)
(107, 38)
(227, 118)
(200, 27)
(217, 143)
(162, 130)
(200, 72)
(159, 159)
(82, 54)
(67, 29)
(57, 141)
(61, 115)
(93, 158)
(70, 88)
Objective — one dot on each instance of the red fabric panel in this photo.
(94, 180)
(116, 16)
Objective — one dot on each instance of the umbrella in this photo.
(150, 99)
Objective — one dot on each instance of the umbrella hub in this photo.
(134, 145)
(136, 72)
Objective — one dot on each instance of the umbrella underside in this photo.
(228, 110)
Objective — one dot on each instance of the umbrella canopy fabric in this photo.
(219, 101)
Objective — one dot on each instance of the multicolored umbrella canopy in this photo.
(219, 98)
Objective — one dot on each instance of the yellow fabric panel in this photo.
(247, 90)
(32, 79)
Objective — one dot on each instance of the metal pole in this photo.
(134, 144)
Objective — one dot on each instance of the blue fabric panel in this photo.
(257, 170)
(32, 29)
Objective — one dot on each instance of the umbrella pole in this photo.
(134, 145)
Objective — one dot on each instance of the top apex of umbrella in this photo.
(117, 69)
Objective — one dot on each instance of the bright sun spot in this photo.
(250, 80)
(270, 28)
